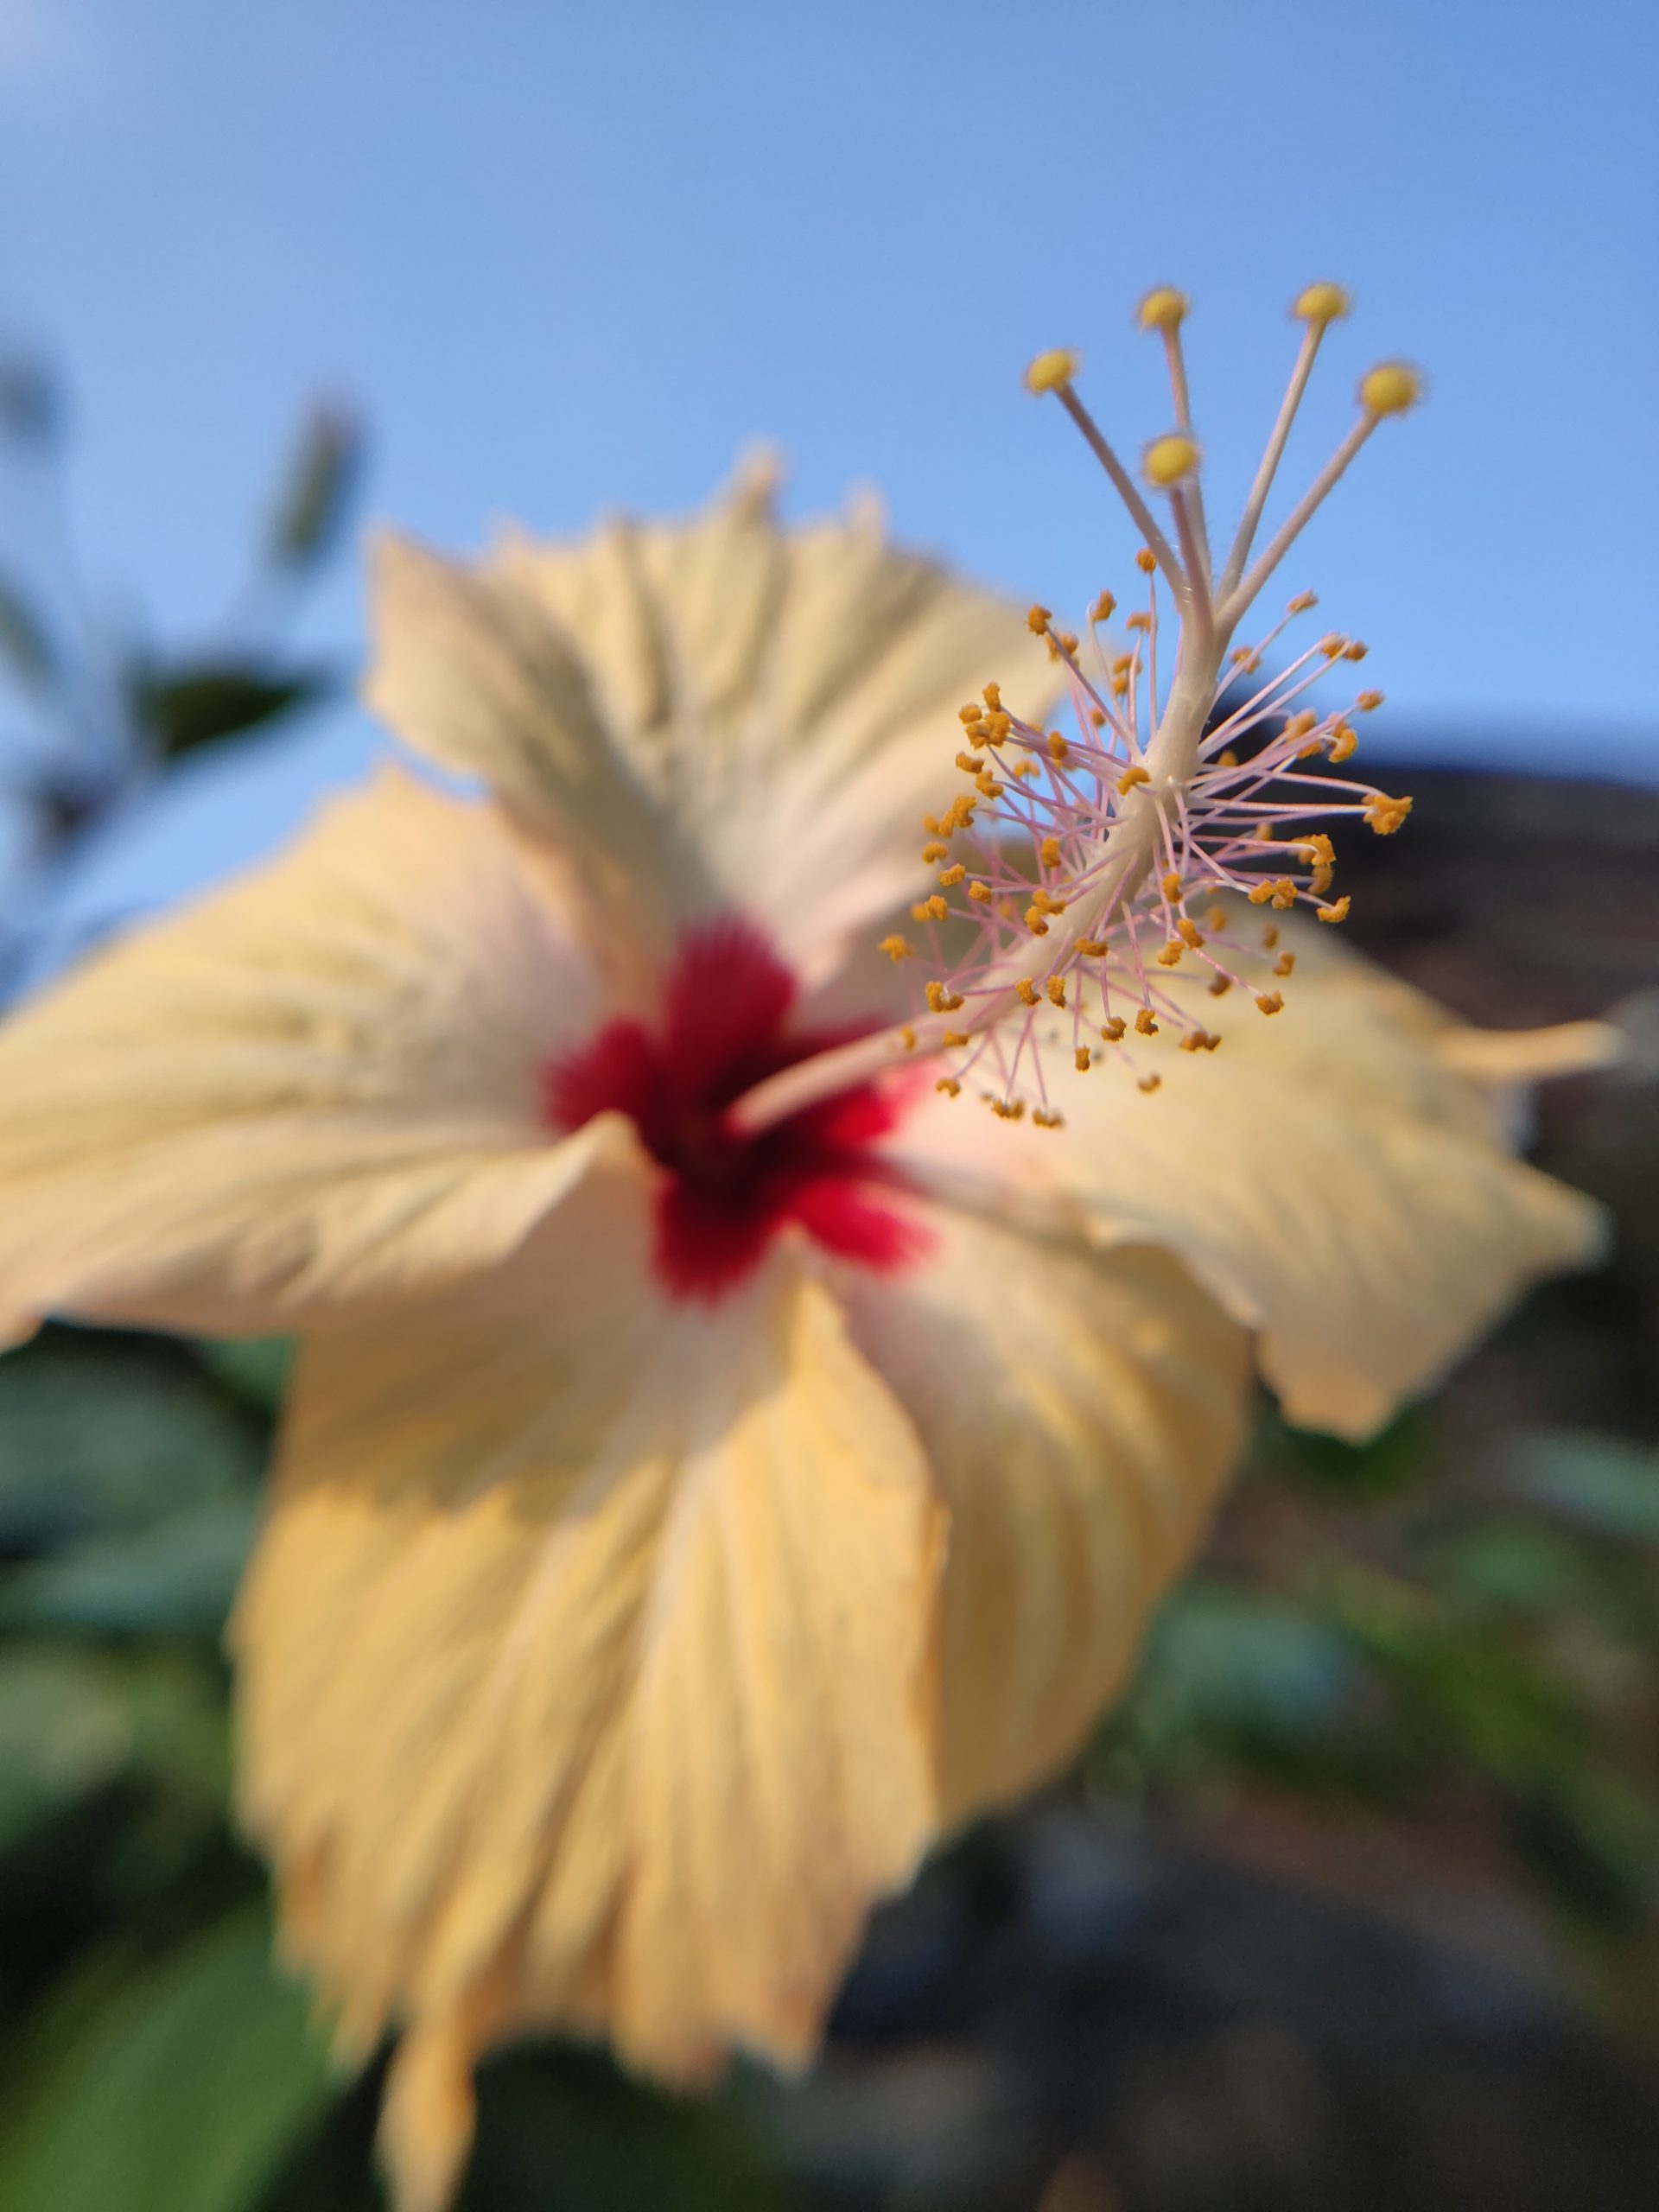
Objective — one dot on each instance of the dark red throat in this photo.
(724, 1025)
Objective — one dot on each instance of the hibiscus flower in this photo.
(721, 1457)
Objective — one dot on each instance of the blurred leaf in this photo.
(71, 1722)
(103, 1431)
(320, 487)
(203, 702)
(175, 1578)
(23, 640)
(1517, 1566)
(256, 1367)
(1380, 1468)
(31, 403)
(1232, 1672)
(562, 2130)
(1605, 1484)
(180, 2093)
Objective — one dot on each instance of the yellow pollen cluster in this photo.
(1050, 370)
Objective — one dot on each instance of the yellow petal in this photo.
(788, 697)
(320, 1085)
(587, 1666)
(1080, 1410)
(1330, 1176)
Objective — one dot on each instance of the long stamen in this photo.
(1388, 389)
(1165, 310)
(1317, 308)
(1054, 372)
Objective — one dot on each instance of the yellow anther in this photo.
(1332, 645)
(1120, 687)
(1321, 880)
(998, 726)
(897, 947)
(1385, 815)
(1069, 639)
(1284, 894)
(1038, 620)
(1319, 848)
(1104, 608)
(1139, 622)
(992, 695)
(908, 1038)
(1145, 1024)
(1052, 369)
(1023, 768)
(1356, 649)
(1129, 778)
(1344, 741)
(1006, 1112)
(1263, 834)
(1320, 304)
(1082, 1060)
(970, 763)
(1199, 1040)
(1171, 954)
(1216, 919)
(1027, 991)
(1041, 1121)
(949, 1085)
(1390, 388)
(952, 876)
(1091, 948)
(931, 824)
(1097, 718)
(1247, 659)
(1049, 851)
(1369, 702)
(981, 892)
(1300, 722)
(929, 910)
(1169, 460)
(1045, 903)
(1112, 1031)
(1035, 922)
(1302, 602)
(1163, 308)
(1145, 560)
(1270, 933)
(936, 996)
(1122, 663)
(1189, 932)
(1149, 1082)
(989, 785)
(1285, 965)
(1170, 885)
(1054, 990)
(1057, 748)
(970, 712)
(954, 1037)
(1219, 986)
(935, 850)
(1260, 892)
(1270, 1001)
(1337, 912)
(1227, 759)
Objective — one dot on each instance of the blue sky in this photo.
(569, 258)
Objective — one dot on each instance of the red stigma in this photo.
(723, 1195)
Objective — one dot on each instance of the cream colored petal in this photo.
(1327, 1174)
(1080, 1409)
(472, 671)
(320, 1085)
(789, 697)
(587, 1668)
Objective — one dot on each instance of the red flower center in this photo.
(723, 1195)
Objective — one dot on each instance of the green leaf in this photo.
(182, 2092)
(256, 1367)
(73, 1722)
(1601, 1483)
(175, 1578)
(102, 1433)
(320, 487)
(201, 703)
